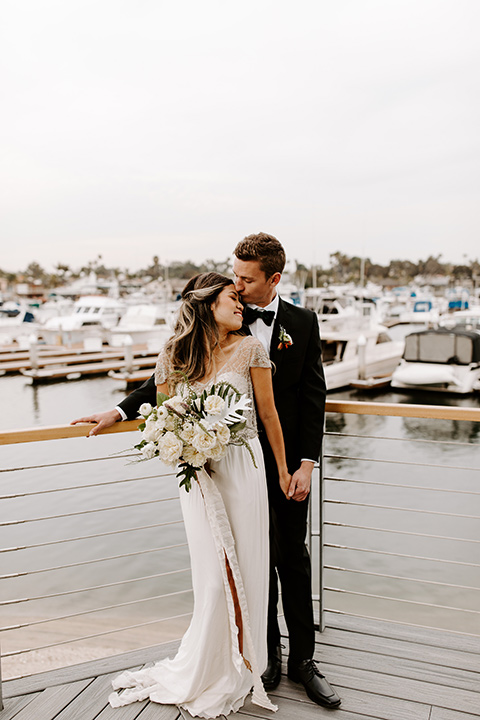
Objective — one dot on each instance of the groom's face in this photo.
(251, 283)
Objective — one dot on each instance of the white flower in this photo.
(222, 432)
(149, 451)
(187, 431)
(145, 409)
(150, 432)
(170, 448)
(203, 441)
(214, 405)
(217, 452)
(177, 404)
(162, 412)
(193, 457)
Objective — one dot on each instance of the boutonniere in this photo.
(285, 339)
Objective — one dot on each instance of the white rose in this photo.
(177, 404)
(149, 451)
(145, 409)
(150, 431)
(203, 441)
(187, 432)
(218, 451)
(162, 412)
(214, 405)
(222, 432)
(170, 448)
(193, 457)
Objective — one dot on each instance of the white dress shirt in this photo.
(259, 329)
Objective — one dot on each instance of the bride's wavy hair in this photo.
(189, 350)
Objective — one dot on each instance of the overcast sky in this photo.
(131, 128)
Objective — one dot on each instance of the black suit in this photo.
(299, 390)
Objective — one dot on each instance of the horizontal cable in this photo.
(82, 487)
(89, 612)
(400, 485)
(398, 532)
(17, 601)
(401, 600)
(94, 635)
(403, 509)
(399, 462)
(400, 439)
(393, 554)
(8, 523)
(117, 456)
(91, 562)
(400, 622)
(89, 537)
(400, 577)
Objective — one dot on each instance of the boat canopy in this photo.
(451, 347)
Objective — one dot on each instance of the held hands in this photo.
(300, 483)
(104, 420)
(285, 480)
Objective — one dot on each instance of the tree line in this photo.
(342, 269)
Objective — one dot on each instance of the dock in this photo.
(381, 670)
(64, 363)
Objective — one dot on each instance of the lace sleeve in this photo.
(161, 369)
(258, 355)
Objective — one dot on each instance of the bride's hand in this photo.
(285, 480)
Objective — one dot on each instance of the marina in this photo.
(94, 557)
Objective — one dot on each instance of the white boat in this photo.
(415, 312)
(350, 354)
(92, 316)
(149, 324)
(467, 319)
(339, 308)
(441, 360)
(17, 323)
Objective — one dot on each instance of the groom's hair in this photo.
(266, 249)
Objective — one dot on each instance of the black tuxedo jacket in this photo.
(298, 385)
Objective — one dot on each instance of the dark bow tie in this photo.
(251, 314)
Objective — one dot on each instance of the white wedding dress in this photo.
(226, 517)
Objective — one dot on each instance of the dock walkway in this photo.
(382, 671)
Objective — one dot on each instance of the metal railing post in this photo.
(321, 495)
(1, 700)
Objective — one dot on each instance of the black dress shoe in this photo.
(272, 675)
(316, 685)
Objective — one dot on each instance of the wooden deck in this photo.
(382, 671)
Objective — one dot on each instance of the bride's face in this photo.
(227, 310)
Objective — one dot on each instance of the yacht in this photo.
(150, 324)
(352, 353)
(441, 360)
(92, 315)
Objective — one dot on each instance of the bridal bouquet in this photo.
(189, 429)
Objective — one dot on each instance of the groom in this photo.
(290, 334)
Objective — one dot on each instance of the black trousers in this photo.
(290, 565)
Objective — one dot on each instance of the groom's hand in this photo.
(301, 479)
(103, 420)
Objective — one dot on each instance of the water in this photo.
(25, 406)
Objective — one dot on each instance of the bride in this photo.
(224, 651)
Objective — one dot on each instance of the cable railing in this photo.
(397, 533)
(94, 559)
